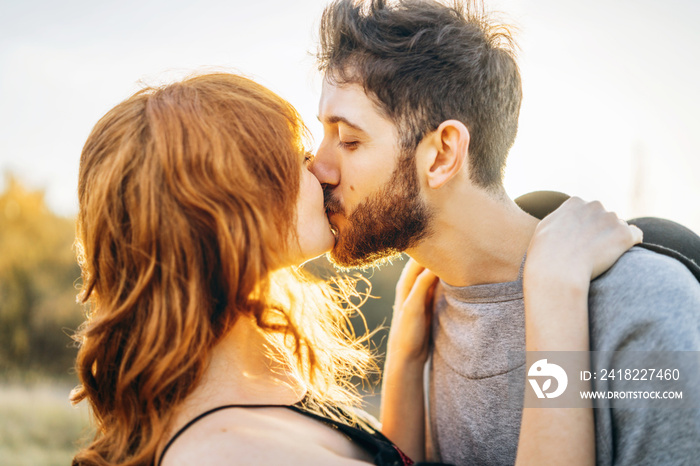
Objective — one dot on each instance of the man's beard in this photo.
(388, 222)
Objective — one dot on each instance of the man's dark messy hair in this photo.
(424, 62)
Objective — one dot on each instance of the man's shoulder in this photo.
(643, 293)
(640, 269)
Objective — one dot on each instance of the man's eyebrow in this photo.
(334, 119)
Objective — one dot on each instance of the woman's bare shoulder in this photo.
(251, 436)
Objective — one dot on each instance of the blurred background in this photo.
(610, 112)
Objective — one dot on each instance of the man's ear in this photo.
(447, 153)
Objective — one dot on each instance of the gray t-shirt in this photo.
(646, 301)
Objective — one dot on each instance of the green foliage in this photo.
(38, 310)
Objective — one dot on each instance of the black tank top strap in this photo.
(199, 417)
(374, 442)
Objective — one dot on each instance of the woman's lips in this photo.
(334, 228)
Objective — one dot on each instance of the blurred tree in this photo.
(38, 310)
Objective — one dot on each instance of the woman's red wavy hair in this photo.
(182, 191)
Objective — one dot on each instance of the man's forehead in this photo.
(341, 100)
(347, 104)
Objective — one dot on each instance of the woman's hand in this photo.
(576, 243)
(580, 240)
(409, 335)
(402, 410)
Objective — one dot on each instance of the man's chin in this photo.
(345, 258)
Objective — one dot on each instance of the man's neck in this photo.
(478, 241)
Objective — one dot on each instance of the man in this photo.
(420, 107)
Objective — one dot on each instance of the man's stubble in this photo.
(390, 221)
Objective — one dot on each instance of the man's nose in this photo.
(325, 165)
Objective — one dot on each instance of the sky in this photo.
(611, 105)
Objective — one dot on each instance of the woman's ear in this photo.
(447, 152)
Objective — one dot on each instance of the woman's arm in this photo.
(573, 245)
(402, 410)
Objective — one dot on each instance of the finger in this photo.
(634, 234)
(407, 278)
(637, 234)
(596, 206)
(430, 298)
(597, 217)
(419, 292)
(611, 218)
(573, 202)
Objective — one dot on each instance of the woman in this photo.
(202, 339)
